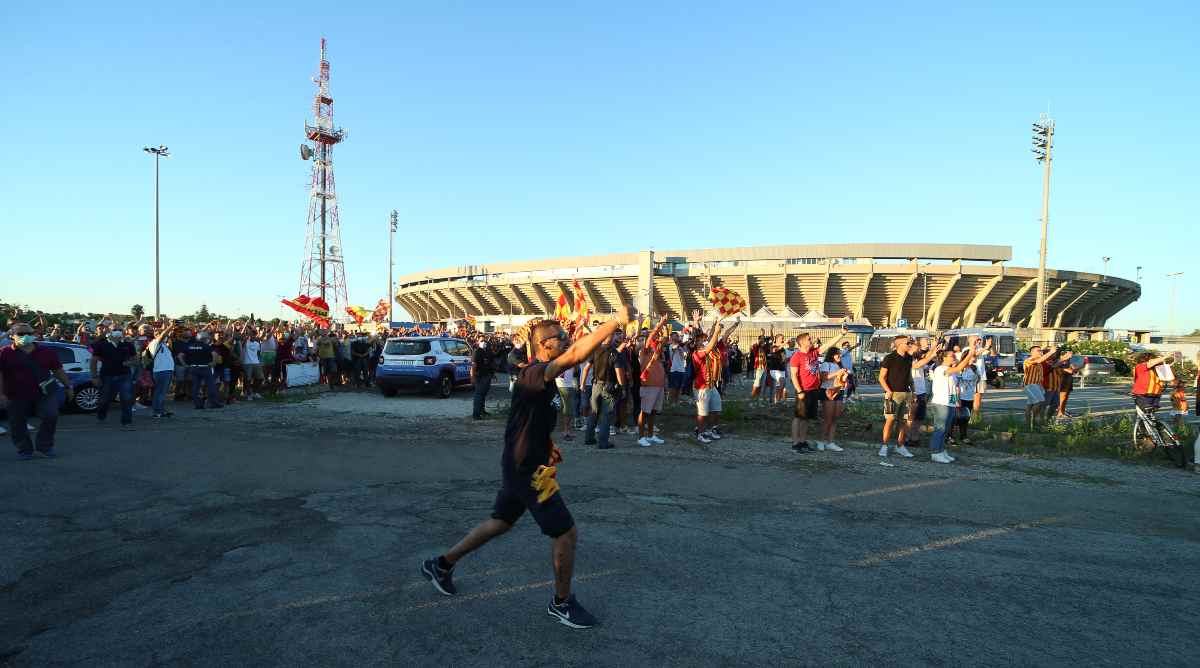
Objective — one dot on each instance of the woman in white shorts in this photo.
(833, 387)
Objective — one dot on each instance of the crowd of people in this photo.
(621, 389)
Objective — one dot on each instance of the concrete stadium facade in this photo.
(936, 286)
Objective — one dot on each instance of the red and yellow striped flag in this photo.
(582, 311)
(562, 310)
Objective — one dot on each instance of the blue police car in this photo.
(436, 363)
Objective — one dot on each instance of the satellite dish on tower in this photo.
(305, 152)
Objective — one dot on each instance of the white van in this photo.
(1004, 336)
(881, 342)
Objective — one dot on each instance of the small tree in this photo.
(137, 311)
(203, 315)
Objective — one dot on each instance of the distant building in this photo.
(934, 286)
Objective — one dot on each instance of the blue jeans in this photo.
(162, 380)
(46, 407)
(203, 375)
(602, 407)
(112, 387)
(483, 385)
(943, 418)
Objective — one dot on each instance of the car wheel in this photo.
(87, 398)
(445, 386)
(388, 390)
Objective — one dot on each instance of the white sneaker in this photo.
(612, 431)
(257, 397)
(703, 439)
(644, 442)
(903, 450)
(656, 440)
(819, 446)
(714, 435)
(940, 458)
(949, 456)
(30, 427)
(656, 429)
(883, 450)
(3, 430)
(833, 447)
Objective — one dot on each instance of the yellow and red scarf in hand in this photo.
(544, 477)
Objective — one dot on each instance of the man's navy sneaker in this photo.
(571, 614)
(25, 456)
(441, 578)
(50, 454)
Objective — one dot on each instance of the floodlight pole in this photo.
(1174, 283)
(391, 297)
(1043, 141)
(160, 152)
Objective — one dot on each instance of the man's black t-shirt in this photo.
(484, 361)
(358, 348)
(605, 362)
(196, 353)
(531, 420)
(899, 371)
(112, 357)
(775, 361)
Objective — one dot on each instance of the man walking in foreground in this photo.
(27, 373)
(526, 484)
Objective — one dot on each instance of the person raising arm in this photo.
(528, 452)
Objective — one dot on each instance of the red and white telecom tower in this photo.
(323, 272)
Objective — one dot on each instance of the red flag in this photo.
(562, 311)
(581, 311)
(381, 311)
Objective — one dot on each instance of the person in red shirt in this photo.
(804, 369)
(708, 361)
(1143, 394)
(24, 367)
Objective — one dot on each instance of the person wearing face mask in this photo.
(26, 385)
(198, 356)
(115, 357)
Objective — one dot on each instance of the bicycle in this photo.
(1147, 425)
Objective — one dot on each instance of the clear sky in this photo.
(512, 130)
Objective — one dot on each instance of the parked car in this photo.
(76, 361)
(436, 363)
(1095, 366)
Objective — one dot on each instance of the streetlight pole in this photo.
(160, 152)
(1174, 283)
(1043, 143)
(1106, 258)
(391, 297)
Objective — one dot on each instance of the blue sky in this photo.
(523, 130)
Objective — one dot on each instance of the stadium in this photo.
(933, 286)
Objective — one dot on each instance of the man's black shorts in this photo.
(552, 516)
(807, 405)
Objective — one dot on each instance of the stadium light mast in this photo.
(159, 152)
(1174, 282)
(1106, 258)
(391, 292)
(1043, 143)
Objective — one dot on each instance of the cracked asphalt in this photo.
(291, 534)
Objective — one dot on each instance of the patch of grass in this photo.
(1046, 472)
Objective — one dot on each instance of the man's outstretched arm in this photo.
(583, 348)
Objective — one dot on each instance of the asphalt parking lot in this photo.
(290, 534)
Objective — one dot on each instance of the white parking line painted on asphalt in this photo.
(458, 600)
(885, 490)
(875, 560)
(440, 601)
(358, 596)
